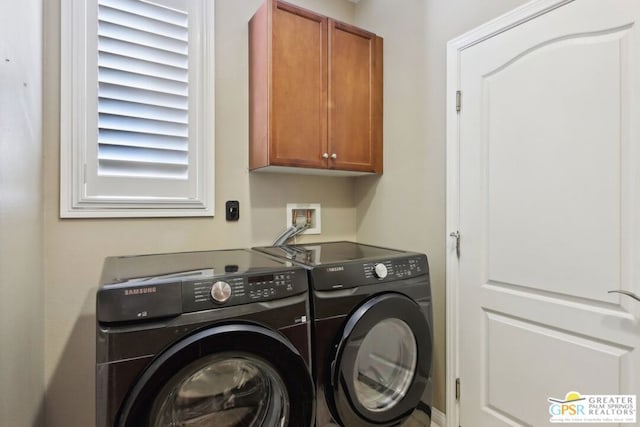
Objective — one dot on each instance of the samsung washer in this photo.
(215, 338)
(372, 333)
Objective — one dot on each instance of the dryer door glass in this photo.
(224, 390)
(380, 365)
(385, 365)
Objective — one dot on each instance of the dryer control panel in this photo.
(352, 274)
(397, 268)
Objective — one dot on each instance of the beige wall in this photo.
(75, 249)
(406, 207)
(21, 286)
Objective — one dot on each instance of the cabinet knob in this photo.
(325, 155)
(334, 156)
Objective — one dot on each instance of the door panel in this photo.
(549, 213)
(355, 101)
(299, 87)
(539, 363)
(569, 172)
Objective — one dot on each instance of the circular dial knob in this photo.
(220, 291)
(380, 271)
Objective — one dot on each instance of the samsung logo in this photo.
(140, 291)
(334, 269)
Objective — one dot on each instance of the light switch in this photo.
(233, 210)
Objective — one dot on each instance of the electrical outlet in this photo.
(305, 213)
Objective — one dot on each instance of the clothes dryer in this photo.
(372, 333)
(214, 338)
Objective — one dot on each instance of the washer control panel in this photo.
(234, 290)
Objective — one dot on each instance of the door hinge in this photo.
(456, 235)
(458, 101)
(458, 389)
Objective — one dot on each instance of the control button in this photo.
(380, 271)
(220, 292)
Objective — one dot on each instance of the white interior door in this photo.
(548, 208)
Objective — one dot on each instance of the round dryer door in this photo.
(381, 363)
(227, 376)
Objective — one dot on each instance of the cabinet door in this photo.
(355, 99)
(298, 131)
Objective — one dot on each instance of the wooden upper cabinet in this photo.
(355, 98)
(315, 92)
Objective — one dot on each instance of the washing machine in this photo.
(372, 333)
(212, 338)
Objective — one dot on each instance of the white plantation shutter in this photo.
(143, 90)
(148, 110)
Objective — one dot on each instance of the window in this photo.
(137, 98)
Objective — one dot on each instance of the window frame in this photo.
(78, 41)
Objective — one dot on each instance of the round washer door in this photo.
(381, 363)
(227, 376)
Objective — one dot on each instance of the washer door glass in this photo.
(223, 390)
(385, 365)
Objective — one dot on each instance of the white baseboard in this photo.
(438, 418)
